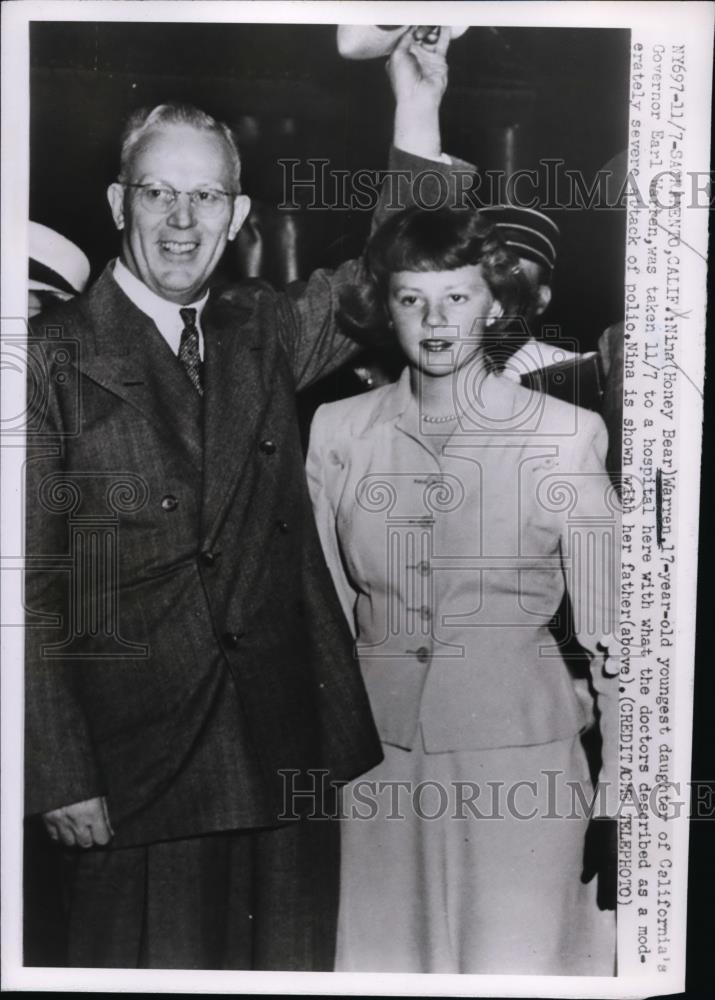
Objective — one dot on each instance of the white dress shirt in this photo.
(165, 314)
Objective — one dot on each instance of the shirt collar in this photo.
(165, 314)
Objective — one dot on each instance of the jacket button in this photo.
(169, 503)
(268, 447)
(423, 568)
(422, 654)
(283, 527)
(231, 639)
(208, 558)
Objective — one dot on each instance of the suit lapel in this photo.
(132, 360)
(235, 399)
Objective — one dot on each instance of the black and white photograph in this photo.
(351, 511)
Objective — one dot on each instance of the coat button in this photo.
(422, 654)
(169, 503)
(208, 558)
(231, 639)
(423, 568)
(268, 447)
(283, 527)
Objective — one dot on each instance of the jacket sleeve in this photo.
(60, 765)
(307, 311)
(323, 485)
(591, 538)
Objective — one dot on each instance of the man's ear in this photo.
(543, 297)
(241, 208)
(115, 197)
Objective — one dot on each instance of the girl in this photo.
(454, 506)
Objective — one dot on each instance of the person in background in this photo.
(58, 269)
(548, 365)
(534, 239)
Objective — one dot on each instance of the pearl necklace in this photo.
(438, 420)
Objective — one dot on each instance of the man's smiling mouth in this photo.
(178, 249)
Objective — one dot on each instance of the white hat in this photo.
(56, 264)
(369, 41)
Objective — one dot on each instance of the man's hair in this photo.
(442, 239)
(143, 120)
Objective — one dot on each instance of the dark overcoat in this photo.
(187, 656)
(186, 652)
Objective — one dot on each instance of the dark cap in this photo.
(530, 234)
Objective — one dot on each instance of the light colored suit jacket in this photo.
(450, 556)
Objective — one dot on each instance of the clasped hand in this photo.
(82, 824)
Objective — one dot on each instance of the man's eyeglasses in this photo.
(160, 199)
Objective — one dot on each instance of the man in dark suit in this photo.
(192, 695)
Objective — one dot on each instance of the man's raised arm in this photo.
(418, 75)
